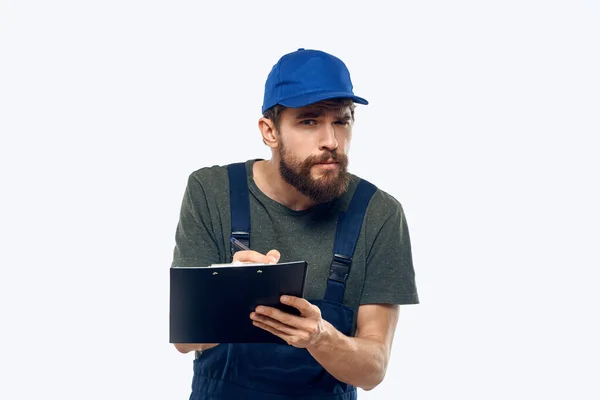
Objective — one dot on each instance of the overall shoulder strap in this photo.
(346, 236)
(239, 203)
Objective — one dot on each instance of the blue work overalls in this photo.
(273, 371)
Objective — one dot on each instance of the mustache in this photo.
(325, 157)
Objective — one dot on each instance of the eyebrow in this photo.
(310, 114)
(319, 113)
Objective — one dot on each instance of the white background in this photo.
(483, 122)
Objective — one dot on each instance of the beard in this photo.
(329, 186)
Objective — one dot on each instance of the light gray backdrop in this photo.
(482, 123)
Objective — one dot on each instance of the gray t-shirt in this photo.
(382, 269)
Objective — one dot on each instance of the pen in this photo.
(238, 244)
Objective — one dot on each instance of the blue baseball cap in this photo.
(305, 77)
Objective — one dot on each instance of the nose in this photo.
(328, 139)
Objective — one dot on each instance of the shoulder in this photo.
(385, 221)
(384, 214)
(208, 177)
(383, 205)
(209, 186)
(213, 179)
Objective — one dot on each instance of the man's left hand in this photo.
(303, 331)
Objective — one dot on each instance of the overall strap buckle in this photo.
(340, 268)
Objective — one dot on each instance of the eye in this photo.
(344, 123)
(308, 122)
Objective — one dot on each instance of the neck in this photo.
(269, 181)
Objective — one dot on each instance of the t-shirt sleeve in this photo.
(390, 276)
(195, 244)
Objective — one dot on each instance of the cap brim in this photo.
(315, 97)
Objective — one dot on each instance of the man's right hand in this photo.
(251, 256)
(187, 347)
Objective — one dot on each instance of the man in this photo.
(302, 204)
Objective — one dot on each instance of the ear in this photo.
(269, 133)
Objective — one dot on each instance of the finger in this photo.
(274, 331)
(273, 323)
(294, 321)
(306, 308)
(275, 255)
(207, 346)
(251, 256)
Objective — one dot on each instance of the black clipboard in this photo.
(213, 304)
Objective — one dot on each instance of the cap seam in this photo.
(277, 88)
(314, 91)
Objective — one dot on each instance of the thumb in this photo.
(275, 255)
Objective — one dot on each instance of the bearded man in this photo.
(302, 204)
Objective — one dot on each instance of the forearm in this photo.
(187, 347)
(361, 362)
